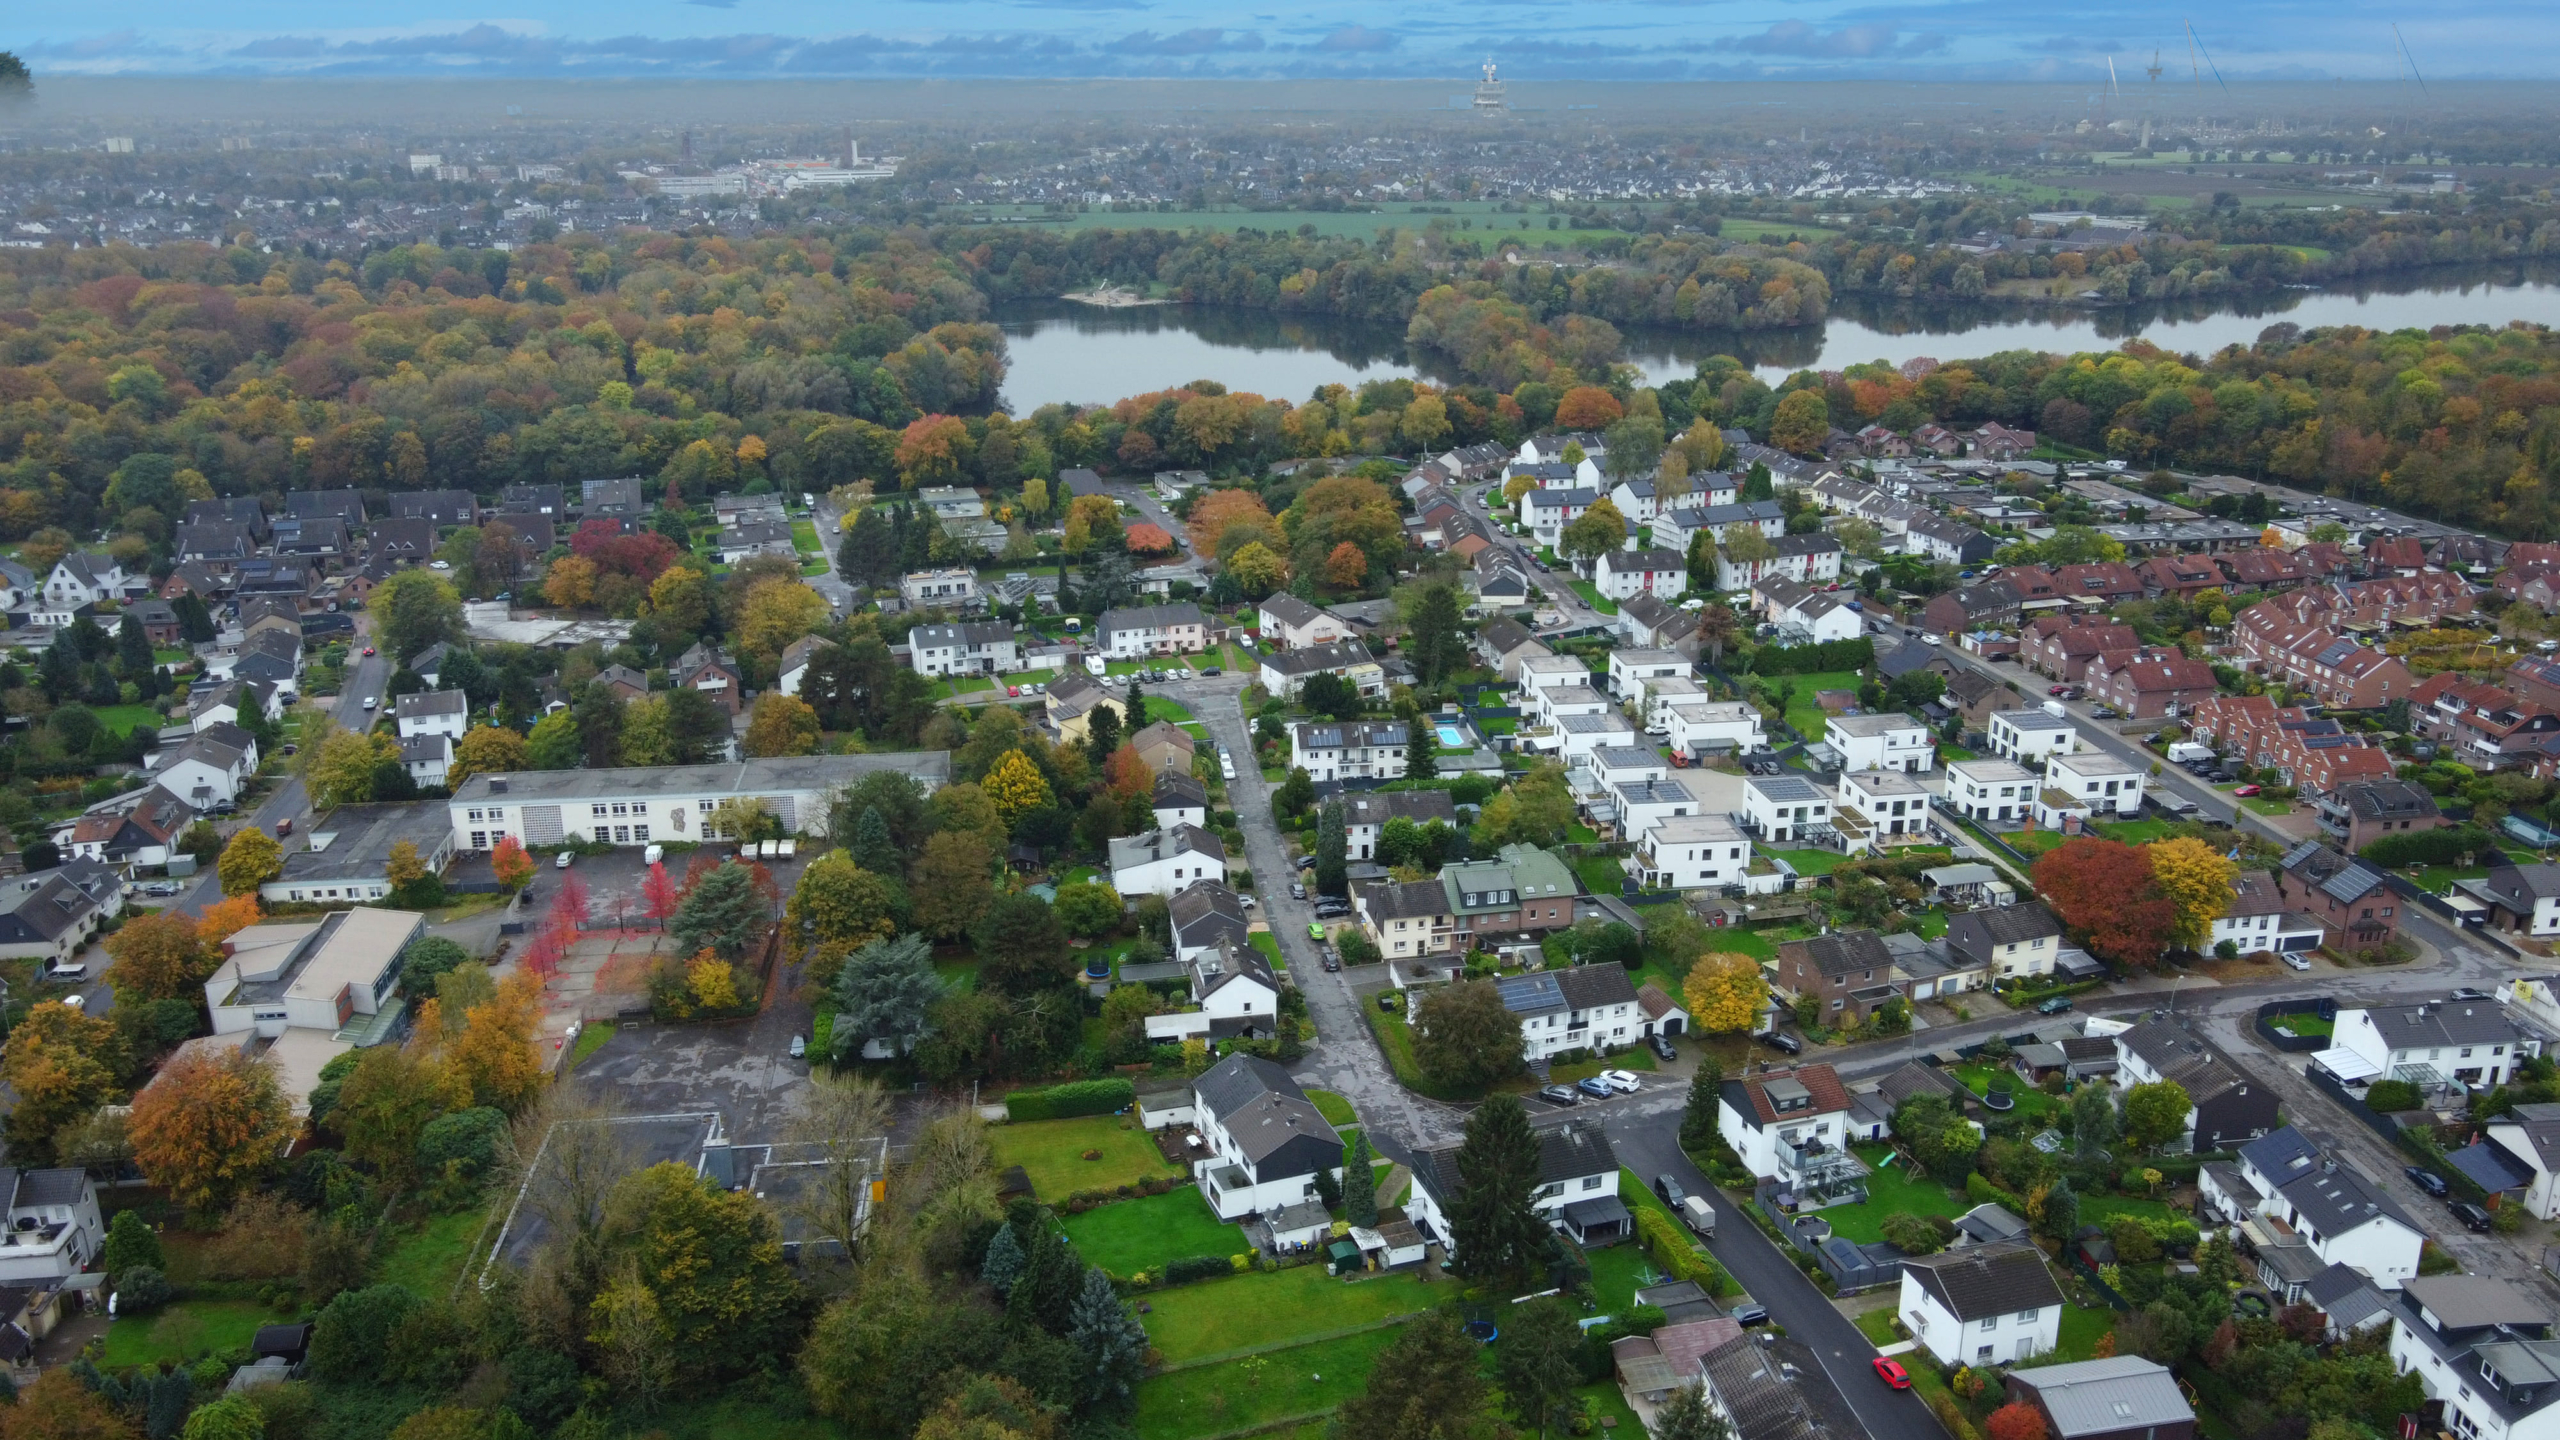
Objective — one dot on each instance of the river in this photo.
(1063, 352)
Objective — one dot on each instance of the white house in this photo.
(636, 805)
(1354, 750)
(953, 588)
(1234, 996)
(1805, 559)
(2529, 1138)
(2482, 1348)
(1577, 1189)
(54, 1229)
(1694, 852)
(1644, 803)
(1135, 633)
(47, 916)
(1696, 728)
(2105, 783)
(1292, 624)
(427, 758)
(971, 647)
(1557, 702)
(795, 661)
(2524, 898)
(2470, 1041)
(1631, 669)
(1983, 789)
(1637, 500)
(1675, 528)
(1365, 816)
(203, 772)
(1540, 672)
(1286, 672)
(2305, 1210)
(1890, 801)
(433, 712)
(1625, 574)
(1547, 512)
(1652, 702)
(1577, 735)
(1549, 450)
(2030, 736)
(1785, 810)
(1823, 615)
(2010, 942)
(1578, 1008)
(1166, 862)
(2258, 921)
(1783, 1122)
(1882, 740)
(86, 577)
(1983, 1305)
(1180, 800)
(1266, 1141)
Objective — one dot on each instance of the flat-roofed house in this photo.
(2117, 1397)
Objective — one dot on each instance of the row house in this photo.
(1806, 559)
(2412, 601)
(2226, 1108)
(2471, 555)
(2356, 910)
(2396, 555)
(1623, 574)
(2470, 1042)
(2100, 583)
(1577, 1008)
(2339, 671)
(1521, 891)
(1948, 541)
(1676, 528)
(2064, 646)
(2179, 575)
(987, 647)
(2486, 724)
(2535, 585)
(1637, 500)
(1138, 632)
(2152, 683)
(1546, 512)
(2537, 679)
(2315, 755)
(1991, 605)
(2266, 568)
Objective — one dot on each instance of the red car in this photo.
(368, 649)
(2245, 791)
(1892, 1373)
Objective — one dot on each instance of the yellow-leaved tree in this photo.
(250, 860)
(2195, 878)
(783, 725)
(487, 749)
(1016, 785)
(1726, 992)
(775, 613)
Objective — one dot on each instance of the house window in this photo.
(1590, 1182)
(2028, 1317)
(1991, 1322)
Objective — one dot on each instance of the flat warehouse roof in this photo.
(744, 777)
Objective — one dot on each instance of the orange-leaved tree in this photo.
(213, 1120)
(159, 957)
(1347, 566)
(508, 862)
(2016, 1420)
(495, 1053)
(226, 918)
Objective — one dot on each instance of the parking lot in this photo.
(615, 882)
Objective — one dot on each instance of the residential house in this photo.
(795, 663)
(1577, 1008)
(89, 577)
(1366, 816)
(1786, 810)
(1991, 605)
(2258, 922)
(1165, 862)
(343, 505)
(428, 759)
(1289, 623)
(2522, 899)
(1784, 1123)
(1884, 803)
(2305, 1209)
(1180, 800)
(1286, 672)
(970, 647)
(1235, 995)
(1653, 623)
(1545, 513)
(1690, 852)
(2099, 583)
(2064, 646)
(2030, 737)
(54, 1231)
(2229, 1109)
(2341, 672)
(1883, 740)
(714, 674)
(2356, 910)
(1625, 574)
(1991, 789)
(140, 829)
(1204, 916)
(403, 541)
(953, 587)
(1675, 528)
(1631, 668)
(1850, 972)
(1948, 541)
(2347, 1301)
(1808, 559)
(213, 542)
(2149, 683)
(1148, 630)
(2527, 1141)
(444, 509)
(2106, 784)
(1758, 1396)
(1577, 1190)
(2179, 575)
(1522, 891)
(2013, 942)
(1406, 920)
(2486, 725)
(2116, 1397)
(2472, 1042)
(1822, 615)
(1981, 1306)
(203, 772)
(1696, 729)
(1072, 699)
(1504, 643)
(433, 712)
(1545, 672)
(1266, 1142)
(2483, 1350)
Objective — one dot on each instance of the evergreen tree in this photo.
(873, 847)
(1003, 1262)
(195, 623)
(1538, 1361)
(1757, 484)
(1698, 1120)
(1112, 1343)
(1422, 752)
(1428, 1385)
(1052, 1276)
(1102, 733)
(1687, 1416)
(1437, 644)
(1333, 845)
(1137, 706)
(133, 648)
(1498, 1234)
(1359, 1184)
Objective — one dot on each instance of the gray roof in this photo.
(1230, 961)
(1974, 932)
(1288, 609)
(967, 635)
(1148, 617)
(2346, 1297)
(2522, 885)
(1313, 659)
(1259, 1106)
(1206, 913)
(1419, 806)
(1991, 1224)
(2331, 1195)
(364, 837)
(2436, 1023)
(1157, 844)
(2120, 1392)
(1236, 1081)
(1845, 950)
(929, 768)
(2337, 877)
(1986, 1280)
(1568, 1151)
(2390, 799)
(45, 902)
(2475, 1302)
(1785, 788)
(35, 1188)
(1176, 789)
(1338, 735)
(424, 703)
(1764, 1403)
(2032, 720)
(1580, 987)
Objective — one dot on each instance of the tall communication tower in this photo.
(1489, 97)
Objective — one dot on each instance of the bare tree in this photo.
(562, 1160)
(843, 1134)
(949, 1183)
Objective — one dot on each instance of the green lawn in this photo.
(2032, 1102)
(1255, 1391)
(1219, 1317)
(1592, 597)
(1890, 1191)
(1159, 708)
(429, 1258)
(1051, 1152)
(1336, 1110)
(1807, 862)
(2304, 1023)
(187, 1330)
(171, 657)
(1135, 1235)
(1617, 1273)
(1600, 874)
(2259, 803)
(122, 719)
(2082, 1327)
(591, 1038)
(1269, 945)
(2133, 832)
(1802, 712)
(2100, 1209)
(804, 538)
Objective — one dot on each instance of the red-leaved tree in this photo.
(2016, 1420)
(658, 893)
(510, 864)
(2102, 892)
(702, 863)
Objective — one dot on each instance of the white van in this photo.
(786, 849)
(653, 854)
(68, 970)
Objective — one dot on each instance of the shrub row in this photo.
(1083, 1200)
(2452, 845)
(1830, 655)
(1077, 1097)
(1198, 1267)
(1668, 1244)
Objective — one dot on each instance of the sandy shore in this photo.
(1113, 297)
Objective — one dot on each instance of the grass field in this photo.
(804, 538)
(591, 1038)
(122, 719)
(1051, 1152)
(1159, 708)
(2032, 1102)
(1802, 713)
(1269, 945)
(1890, 1191)
(1135, 1235)
(1260, 1389)
(2304, 1023)
(430, 1257)
(185, 1331)
(1592, 597)
(1807, 862)
(2099, 1209)
(2133, 832)
(1218, 1317)
(1335, 1109)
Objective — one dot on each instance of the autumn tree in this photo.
(723, 912)
(1594, 533)
(2102, 891)
(485, 750)
(60, 1064)
(1089, 518)
(509, 864)
(211, 1123)
(391, 1095)
(59, 1407)
(782, 725)
(2196, 880)
(225, 918)
(2016, 1420)
(839, 903)
(1346, 567)
(1017, 787)
(251, 859)
(414, 609)
(1257, 570)
(570, 583)
(1212, 513)
(2156, 1114)
(1463, 1036)
(495, 1055)
(342, 774)
(160, 957)
(1587, 407)
(776, 613)
(1726, 992)
(1802, 423)
(951, 885)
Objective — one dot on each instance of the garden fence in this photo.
(2323, 1007)
(2352, 1103)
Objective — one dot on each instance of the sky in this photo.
(1591, 40)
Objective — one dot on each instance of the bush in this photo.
(131, 1244)
(1979, 1189)
(1855, 654)
(2452, 845)
(1669, 1246)
(1197, 1267)
(2133, 1242)
(353, 1334)
(469, 1137)
(1080, 1097)
(2386, 1096)
(143, 1290)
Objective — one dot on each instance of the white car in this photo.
(438, 565)
(373, 702)
(1622, 1081)
(2293, 961)
(565, 860)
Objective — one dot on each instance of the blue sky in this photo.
(1975, 40)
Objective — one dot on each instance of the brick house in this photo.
(2487, 725)
(2340, 672)
(2062, 646)
(1992, 605)
(2150, 683)
(2105, 582)
(2356, 910)
(2366, 810)
(1849, 971)
(2180, 575)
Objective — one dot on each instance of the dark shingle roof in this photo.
(1986, 1280)
(1839, 953)
(1239, 1080)
(1975, 931)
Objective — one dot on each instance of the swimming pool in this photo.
(1450, 737)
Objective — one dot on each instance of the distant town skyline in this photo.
(1650, 40)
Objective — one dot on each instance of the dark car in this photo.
(1670, 1191)
(1214, 670)
(1781, 1041)
(1559, 1095)
(2425, 1179)
(1662, 1047)
(2473, 1218)
(2054, 1006)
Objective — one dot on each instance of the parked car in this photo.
(368, 650)
(67, 971)
(1316, 932)
(2293, 961)
(2245, 791)
(1306, 862)
(1662, 1047)
(2425, 1179)
(1891, 1372)
(1782, 1042)
(2473, 1218)
(1297, 891)
(1670, 1190)
(2470, 994)
(1747, 1311)
(1595, 1087)
(1332, 961)
(2055, 1006)
(1622, 1081)
(1245, 900)
(1559, 1095)
(372, 702)
(565, 859)
(799, 1047)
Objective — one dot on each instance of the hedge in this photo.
(1668, 1244)
(1830, 655)
(1198, 1267)
(2453, 845)
(1979, 1189)
(1080, 1097)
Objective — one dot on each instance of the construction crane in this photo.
(2155, 67)
(2409, 59)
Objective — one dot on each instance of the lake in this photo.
(1063, 352)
